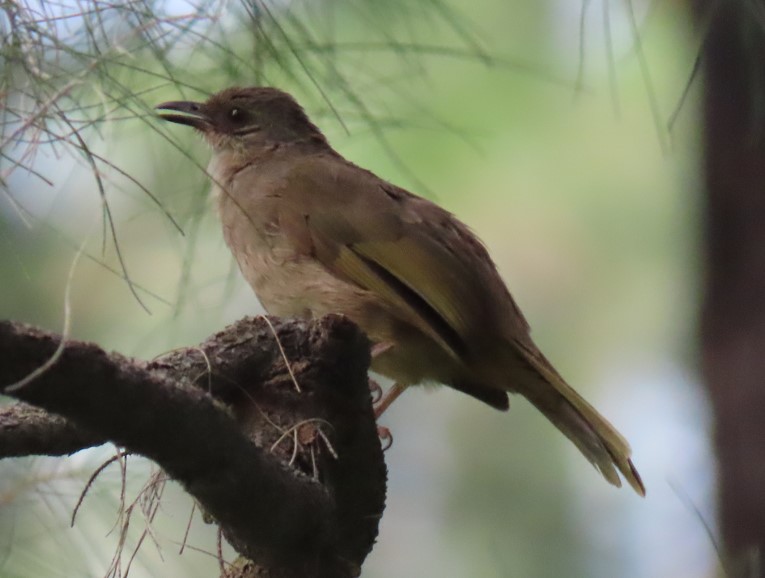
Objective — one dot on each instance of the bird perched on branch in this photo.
(315, 234)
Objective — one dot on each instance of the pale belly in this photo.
(290, 286)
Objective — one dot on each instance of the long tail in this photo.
(595, 437)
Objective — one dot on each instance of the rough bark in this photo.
(284, 456)
(733, 318)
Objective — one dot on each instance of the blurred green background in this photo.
(517, 117)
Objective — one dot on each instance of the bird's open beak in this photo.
(194, 113)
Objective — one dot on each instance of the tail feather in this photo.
(595, 437)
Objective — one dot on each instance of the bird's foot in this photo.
(377, 391)
(382, 402)
(386, 438)
(388, 398)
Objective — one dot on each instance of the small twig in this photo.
(188, 527)
(221, 561)
(683, 496)
(295, 446)
(329, 445)
(123, 487)
(284, 354)
(295, 428)
(38, 371)
(208, 363)
(90, 482)
(653, 102)
(262, 413)
(613, 84)
(149, 499)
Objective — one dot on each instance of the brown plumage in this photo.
(315, 234)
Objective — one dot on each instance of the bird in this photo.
(315, 234)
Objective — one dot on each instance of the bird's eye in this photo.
(235, 114)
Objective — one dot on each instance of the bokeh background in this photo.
(566, 134)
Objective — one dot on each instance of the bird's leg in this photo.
(381, 400)
(379, 348)
(388, 398)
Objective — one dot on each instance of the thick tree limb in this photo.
(27, 430)
(316, 516)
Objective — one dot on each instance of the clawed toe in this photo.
(377, 391)
(385, 437)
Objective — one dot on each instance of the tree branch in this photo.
(290, 465)
(27, 430)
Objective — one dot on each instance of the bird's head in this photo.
(241, 118)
